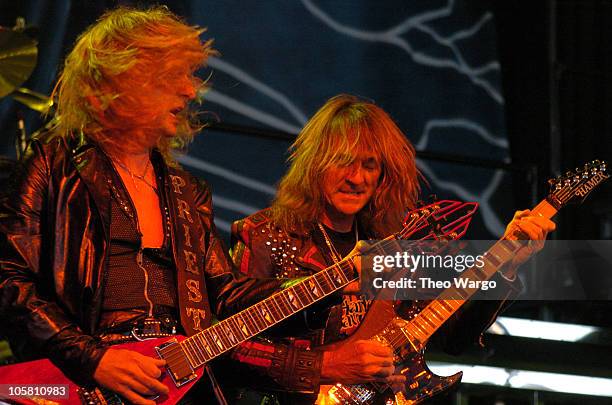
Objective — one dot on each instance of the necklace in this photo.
(136, 176)
(336, 257)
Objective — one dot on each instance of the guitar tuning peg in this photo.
(555, 184)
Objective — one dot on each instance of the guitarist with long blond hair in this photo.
(352, 176)
(103, 236)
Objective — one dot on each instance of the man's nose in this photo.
(355, 175)
(186, 87)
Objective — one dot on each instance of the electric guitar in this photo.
(411, 335)
(187, 356)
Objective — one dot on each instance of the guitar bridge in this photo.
(177, 362)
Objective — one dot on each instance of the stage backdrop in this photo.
(431, 64)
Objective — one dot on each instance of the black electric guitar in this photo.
(411, 335)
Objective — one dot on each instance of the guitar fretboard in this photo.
(419, 329)
(223, 336)
(232, 331)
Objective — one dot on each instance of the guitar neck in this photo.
(227, 334)
(418, 330)
(223, 336)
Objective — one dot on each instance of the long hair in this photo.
(344, 126)
(107, 86)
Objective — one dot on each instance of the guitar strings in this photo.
(400, 339)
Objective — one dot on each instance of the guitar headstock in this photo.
(577, 185)
(445, 219)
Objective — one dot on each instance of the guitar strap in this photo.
(188, 232)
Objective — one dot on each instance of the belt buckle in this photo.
(152, 328)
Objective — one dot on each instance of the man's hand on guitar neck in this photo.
(360, 362)
(131, 375)
(526, 225)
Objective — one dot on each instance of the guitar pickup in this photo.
(177, 363)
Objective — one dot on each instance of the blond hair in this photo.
(343, 126)
(104, 88)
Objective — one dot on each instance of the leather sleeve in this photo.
(31, 317)
(287, 368)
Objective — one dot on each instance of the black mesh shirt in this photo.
(125, 280)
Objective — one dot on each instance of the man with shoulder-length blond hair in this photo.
(349, 137)
(352, 176)
(103, 236)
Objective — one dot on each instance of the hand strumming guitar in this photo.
(364, 361)
(131, 375)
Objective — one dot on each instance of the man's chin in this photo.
(350, 209)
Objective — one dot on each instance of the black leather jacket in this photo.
(54, 245)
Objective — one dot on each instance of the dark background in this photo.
(540, 106)
(548, 113)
